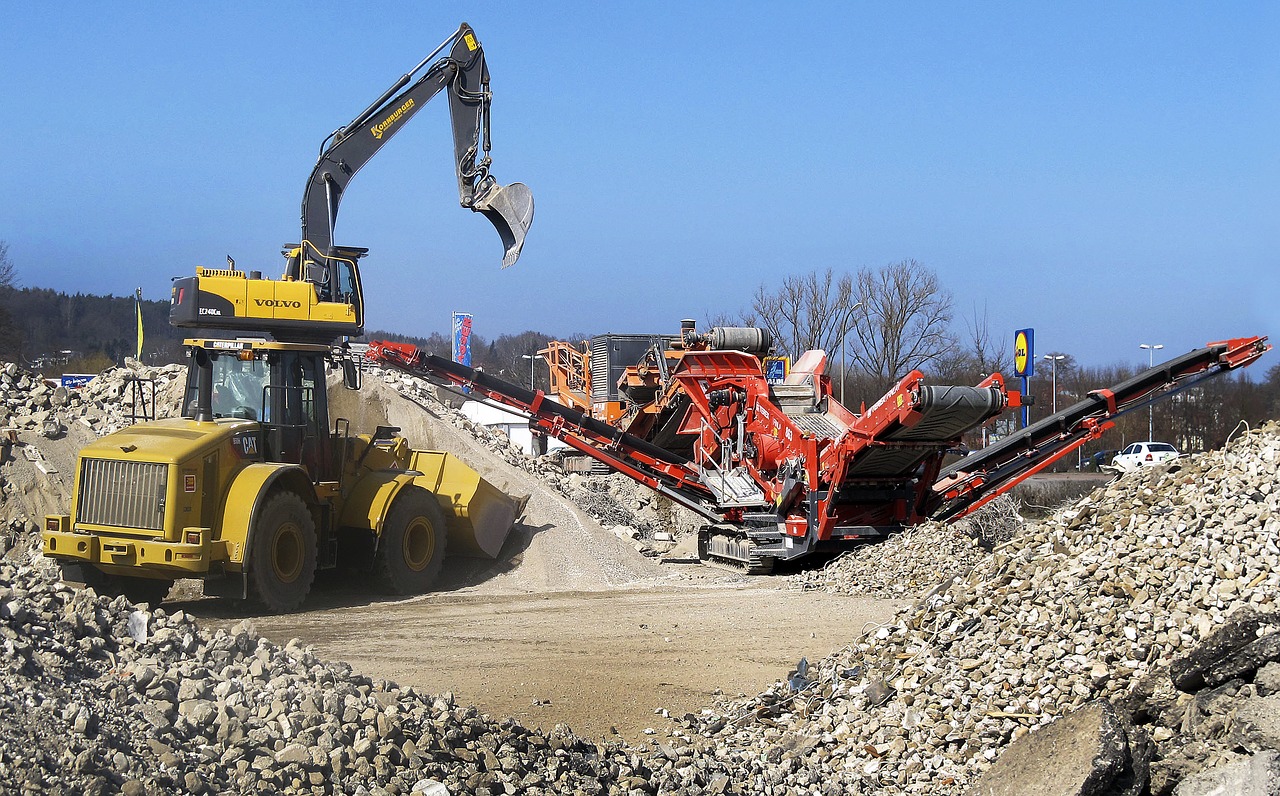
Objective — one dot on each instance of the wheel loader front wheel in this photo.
(411, 550)
(283, 554)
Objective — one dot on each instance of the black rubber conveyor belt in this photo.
(947, 412)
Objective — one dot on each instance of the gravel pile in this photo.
(100, 696)
(631, 510)
(28, 401)
(917, 558)
(899, 567)
(1095, 603)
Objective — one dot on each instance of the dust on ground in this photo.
(596, 661)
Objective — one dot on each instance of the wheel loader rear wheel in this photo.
(411, 550)
(282, 561)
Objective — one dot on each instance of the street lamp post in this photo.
(1054, 359)
(531, 359)
(1151, 408)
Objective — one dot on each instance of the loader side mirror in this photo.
(510, 209)
(351, 374)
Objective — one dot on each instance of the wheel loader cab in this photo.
(279, 385)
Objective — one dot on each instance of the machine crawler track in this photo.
(725, 546)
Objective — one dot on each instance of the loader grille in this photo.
(123, 494)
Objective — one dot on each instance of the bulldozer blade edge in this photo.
(510, 209)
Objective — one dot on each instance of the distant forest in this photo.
(57, 333)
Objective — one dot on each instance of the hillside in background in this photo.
(58, 332)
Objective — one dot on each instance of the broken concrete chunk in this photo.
(1082, 754)
(1258, 775)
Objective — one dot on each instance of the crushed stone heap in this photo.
(103, 405)
(1093, 604)
(97, 697)
(618, 503)
(899, 567)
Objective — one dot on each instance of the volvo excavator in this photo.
(255, 487)
(319, 297)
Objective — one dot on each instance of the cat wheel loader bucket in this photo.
(478, 515)
(510, 209)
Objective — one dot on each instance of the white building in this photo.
(494, 415)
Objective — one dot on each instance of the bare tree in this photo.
(975, 356)
(8, 271)
(903, 321)
(809, 311)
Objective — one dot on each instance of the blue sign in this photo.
(75, 380)
(462, 338)
(775, 369)
(1024, 353)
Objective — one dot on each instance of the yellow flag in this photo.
(137, 303)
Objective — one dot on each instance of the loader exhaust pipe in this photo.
(510, 209)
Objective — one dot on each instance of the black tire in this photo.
(412, 548)
(282, 555)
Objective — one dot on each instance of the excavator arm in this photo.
(464, 75)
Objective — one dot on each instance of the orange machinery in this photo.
(782, 471)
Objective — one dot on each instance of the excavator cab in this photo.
(335, 276)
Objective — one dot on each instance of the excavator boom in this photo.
(466, 76)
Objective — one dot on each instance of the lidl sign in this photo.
(1024, 357)
(776, 369)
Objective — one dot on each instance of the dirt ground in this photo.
(569, 625)
(599, 662)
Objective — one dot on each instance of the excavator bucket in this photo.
(510, 208)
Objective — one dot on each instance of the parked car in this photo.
(1143, 454)
(1094, 462)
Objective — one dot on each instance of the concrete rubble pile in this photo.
(1138, 628)
(103, 405)
(99, 696)
(917, 558)
(618, 503)
(1098, 603)
(899, 567)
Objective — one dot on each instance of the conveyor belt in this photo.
(945, 414)
(996, 468)
(948, 412)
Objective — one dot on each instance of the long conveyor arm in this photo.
(983, 475)
(668, 473)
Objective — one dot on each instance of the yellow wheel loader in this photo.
(254, 489)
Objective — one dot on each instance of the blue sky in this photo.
(1106, 173)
